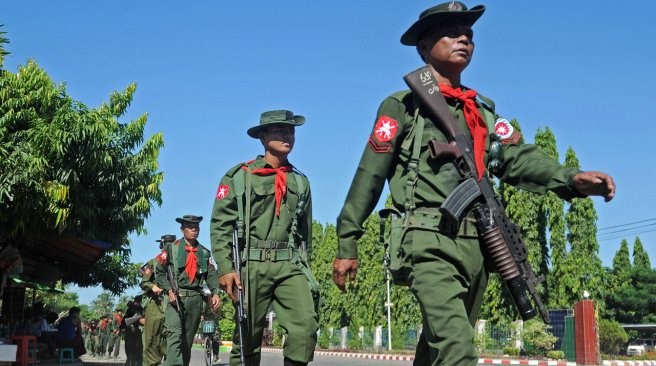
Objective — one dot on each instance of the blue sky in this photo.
(205, 70)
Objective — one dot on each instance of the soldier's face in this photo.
(278, 139)
(449, 47)
(190, 231)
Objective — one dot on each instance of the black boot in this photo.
(289, 362)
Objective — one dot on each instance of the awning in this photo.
(22, 283)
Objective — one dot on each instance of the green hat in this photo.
(190, 218)
(432, 17)
(166, 238)
(282, 117)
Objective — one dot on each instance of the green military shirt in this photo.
(176, 255)
(387, 155)
(264, 224)
(148, 277)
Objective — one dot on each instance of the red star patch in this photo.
(385, 129)
(162, 257)
(222, 192)
(147, 272)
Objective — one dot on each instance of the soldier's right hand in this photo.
(343, 268)
(156, 290)
(229, 283)
(172, 299)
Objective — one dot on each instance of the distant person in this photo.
(69, 332)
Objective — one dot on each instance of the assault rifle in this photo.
(498, 234)
(241, 312)
(132, 320)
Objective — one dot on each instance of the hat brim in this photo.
(181, 220)
(469, 17)
(295, 121)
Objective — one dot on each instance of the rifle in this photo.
(498, 234)
(132, 320)
(173, 281)
(241, 312)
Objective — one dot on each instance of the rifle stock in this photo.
(498, 234)
(241, 312)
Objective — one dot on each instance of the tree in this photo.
(102, 305)
(640, 256)
(619, 275)
(635, 303)
(584, 269)
(67, 171)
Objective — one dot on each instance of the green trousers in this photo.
(102, 343)
(154, 339)
(114, 344)
(284, 286)
(448, 278)
(178, 351)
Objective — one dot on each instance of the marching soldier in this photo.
(190, 264)
(132, 331)
(154, 339)
(268, 201)
(115, 334)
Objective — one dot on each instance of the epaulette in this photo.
(231, 172)
(486, 102)
(400, 95)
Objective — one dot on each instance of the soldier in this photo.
(105, 329)
(444, 263)
(115, 334)
(191, 265)
(133, 341)
(92, 339)
(268, 201)
(154, 348)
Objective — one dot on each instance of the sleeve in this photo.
(527, 167)
(306, 224)
(224, 217)
(370, 176)
(212, 275)
(147, 278)
(160, 270)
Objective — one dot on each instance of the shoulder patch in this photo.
(222, 191)
(385, 129)
(506, 132)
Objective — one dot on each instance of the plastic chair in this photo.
(25, 343)
(66, 355)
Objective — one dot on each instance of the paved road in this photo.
(275, 359)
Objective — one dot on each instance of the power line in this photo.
(624, 235)
(630, 223)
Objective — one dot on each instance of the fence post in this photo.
(378, 338)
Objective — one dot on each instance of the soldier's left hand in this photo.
(594, 183)
(216, 302)
(172, 297)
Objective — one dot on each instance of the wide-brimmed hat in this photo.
(190, 218)
(166, 238)
(429, 18)
(280, 117)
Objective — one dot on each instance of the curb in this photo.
(628, 363)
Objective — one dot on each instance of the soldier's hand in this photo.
(595, 184)
(216, 302)
(156, 290)
(342, 268)
(229, 283)
(172, 299)
(142, 321)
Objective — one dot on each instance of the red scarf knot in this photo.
(475, 122)
(280, 182)
(191, 264)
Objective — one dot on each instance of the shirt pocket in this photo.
(262, 196)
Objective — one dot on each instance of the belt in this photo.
(432, 219)
(268, 244)
(187, 293)
(269, 255)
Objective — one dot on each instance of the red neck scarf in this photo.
(475, 122)
(192, 262)
(280, 182)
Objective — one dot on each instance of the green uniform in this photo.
(269, 275)
(191, 296)
(105, 328)
(115, 336)
(446, 269)
(154, 340)
(133, 336)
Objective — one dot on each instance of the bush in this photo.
(324, 339)
(511, 351)
(537, 339)
(556, 355)
(482, 342)
(277, 335)
(612, 337)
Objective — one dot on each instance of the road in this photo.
(275, 358)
